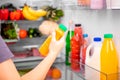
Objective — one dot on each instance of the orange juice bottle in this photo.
(109, 59)
(44, 48)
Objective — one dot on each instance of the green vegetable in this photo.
(34, 32)
(53, 14)
(8, 30)
(11, 34)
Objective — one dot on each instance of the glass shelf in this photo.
(74, 5)
(31, 62)
(22, 21)
(68, 73)
(27, 43)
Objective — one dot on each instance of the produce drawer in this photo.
(64, 74)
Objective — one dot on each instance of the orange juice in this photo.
(109, 59)
(44, 48)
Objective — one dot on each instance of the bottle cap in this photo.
(108, 35)
(97, 38)
(77, 25)
(62, 27)
(85, 35)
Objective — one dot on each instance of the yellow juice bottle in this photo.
(44, 48)
(108, 59)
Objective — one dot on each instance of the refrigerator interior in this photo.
(94, 23)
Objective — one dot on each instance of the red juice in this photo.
(76, 43)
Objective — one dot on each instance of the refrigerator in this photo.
(95, 22)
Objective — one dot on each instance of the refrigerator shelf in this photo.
(67, 72)
(31, 62)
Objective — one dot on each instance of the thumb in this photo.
(64, 36)
(53, 36)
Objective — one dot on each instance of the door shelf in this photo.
(93, 74)
(89, 73)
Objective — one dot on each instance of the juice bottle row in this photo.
(93, 4)
(100, 4)
(98, 54)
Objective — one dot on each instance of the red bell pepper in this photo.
(4, 13)
(0, 15)
(15, 15)
(21, 14)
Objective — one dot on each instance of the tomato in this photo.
(22, 33)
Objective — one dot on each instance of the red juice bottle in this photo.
(76, 43)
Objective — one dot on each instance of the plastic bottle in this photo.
(93, 59)
(83, 49)
(75, 48)
(88, 3)
(115, 4)
(108, 4)
(96, 4)
(109, 59)
(68, 46)
(83, 2)
(44, 48)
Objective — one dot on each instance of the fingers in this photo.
(53, 36)
(61, 39)
(64, 36)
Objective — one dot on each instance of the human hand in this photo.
(56, 45)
